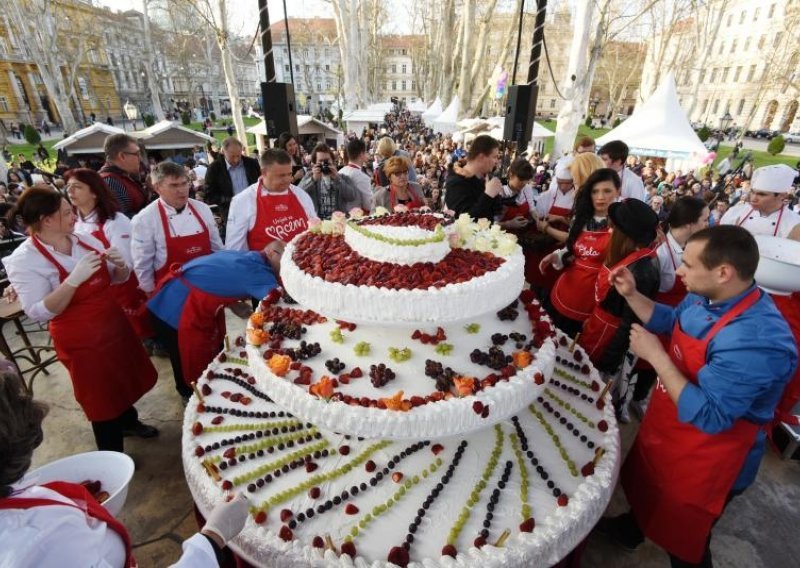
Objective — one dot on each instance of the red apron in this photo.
(278, 218)
(201, 327)
(129, 296)
(533, 275)
(109, 368)
(415, 202)
(789, 306)
(677, 478)
(181, 250)
(524, 210)
(573, 293)
(83, 501)
(601, 326)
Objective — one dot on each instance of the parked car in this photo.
(792, 137)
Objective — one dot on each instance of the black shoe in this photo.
(621, 531)
(141, 430)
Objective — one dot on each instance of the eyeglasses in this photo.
(130, 153)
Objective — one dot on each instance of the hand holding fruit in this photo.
(227, 520)
(84, 270)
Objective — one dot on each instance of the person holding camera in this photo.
(328, 190)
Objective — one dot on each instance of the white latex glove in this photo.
(227, 519)
(86, 266)
(115, 257)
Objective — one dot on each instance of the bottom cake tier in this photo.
(523, 492)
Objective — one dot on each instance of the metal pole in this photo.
(288, 41)
(538, 36)
(519, 40)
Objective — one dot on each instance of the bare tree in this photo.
(150, 70)
(620, 65)
(662, 24)
(351, 33)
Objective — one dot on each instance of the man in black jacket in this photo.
(467, 190)
(228, 175)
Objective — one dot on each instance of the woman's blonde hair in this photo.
(385, 147)
(582, 167)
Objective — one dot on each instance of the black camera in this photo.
(325, 166)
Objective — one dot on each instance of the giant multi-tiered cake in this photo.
(402, 401)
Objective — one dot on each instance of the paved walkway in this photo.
(759, 530)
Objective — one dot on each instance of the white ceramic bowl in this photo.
(779, 266)
(114, 470)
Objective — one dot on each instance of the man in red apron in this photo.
(272, 209)
(172, 230)
(188, 306)
(702, 438)
(768, 214)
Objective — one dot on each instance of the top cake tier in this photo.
(403, 269)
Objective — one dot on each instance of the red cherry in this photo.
(349, 548)
(318, 542)
(314, 492)
(197, 428)
(397, 477)
(602, 426)
(449, 550)
(479, 542)
(260, 518)
(436, 449)
(286, 514)
(527, 525)
(217, 420)
(370, 466)
(205, 389)
(227, 485)
(286, 533)
(398, 556)
(563, 500)
(199, 451)
(587, 470)
(351, 509)
(477, 407)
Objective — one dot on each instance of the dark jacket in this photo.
(219, 189)
(648, 277)
(343, 188)
(465, 194)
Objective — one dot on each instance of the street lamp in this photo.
(725, 121)
(131, 112)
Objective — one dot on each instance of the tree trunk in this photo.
(449, 49)
(576, 91)
(152, 83)
(464, 77)
(229, 71)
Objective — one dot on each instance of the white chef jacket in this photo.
(149, 246)
(54, 536)
(242, 213)
(779, 223)
(116, 230)
(34, 277)
(554, 198)
(362, 183)
(632, 185)
(665, 263)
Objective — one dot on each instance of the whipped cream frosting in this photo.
(367, 241)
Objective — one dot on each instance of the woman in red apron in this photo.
(687, 216)
(400, 191)
(98, 215)
(572, 299)
(109, 368)
(67, 521)
(605, 333)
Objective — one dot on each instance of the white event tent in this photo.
(418, 107)
(358, 120)
(445, 123)
(659, 128)
(306, 126)
(433, 112)
(88, 140)
(168, 135)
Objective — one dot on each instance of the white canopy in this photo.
(418, 106)
(385, 108)
(88, 140)
(494, 127)
(445, 123)
(167, 135)
(362, 118)
(659, 127)
(433, 111)
(305, 125)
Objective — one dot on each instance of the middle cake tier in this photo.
(409, 382)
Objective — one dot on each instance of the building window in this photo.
(84, 88)
(402, 85)
(286, 67)
(327, 85)
(755, 14)
(297, 68)
(713, 75)
(721, 46)
(403, 69)
(705, 107)
(761, 41)
(702, 76)
(715, 107)
(327, 68)
(737, 74)
(742, 16)
(771, 10)
(777, 41)
(725, 75)
(411, 85)
(394, 85)
(740, 108)
(752, 73)
(319, 88)
(747, 44)
(3, 104)
(730, 20)
(394, 68)
(552, 103)
(733, 46)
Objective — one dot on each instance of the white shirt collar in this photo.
(170, 209)
(673, 244)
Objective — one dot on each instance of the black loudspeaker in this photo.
(280, 112)
(520, 112)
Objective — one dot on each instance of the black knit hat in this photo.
(636, 219)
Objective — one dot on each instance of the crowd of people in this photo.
(636, 263)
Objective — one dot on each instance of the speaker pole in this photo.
(538, 37)
(266, 41)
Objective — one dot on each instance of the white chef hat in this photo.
(562, 168)
(777, 178)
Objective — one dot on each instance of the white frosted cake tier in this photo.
(457, 412)
(317, 497)
(399, 245)
(448, 303)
